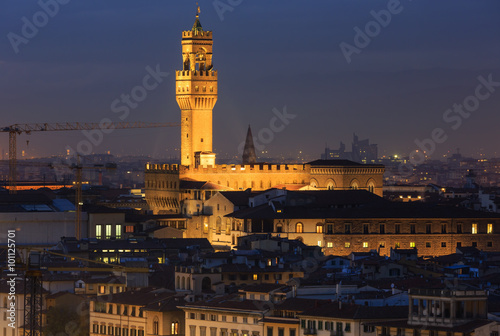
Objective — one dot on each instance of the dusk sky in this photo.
(269, 54)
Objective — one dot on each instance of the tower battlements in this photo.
(162, 168)
(248, 169)
(197, 34)
(200, 74)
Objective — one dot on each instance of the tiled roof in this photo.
(229, 303)
(263, 288)
(238, 198)
(141, 297)
(356, 312)
(464, 328)
(342, 163)
(372, 210)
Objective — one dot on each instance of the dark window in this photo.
(365, 228)
(443, 244)
(474, 244)
(427, 244)
(329, 229)
(347, 228)
(412, 228)
(443, 228)
(489, 244)
(292, 332)
(382, 228)
(459, 244)
(397, 228)
(281, 332)
(269, 331)
(428, 228)
(459, 228)
(320, 325)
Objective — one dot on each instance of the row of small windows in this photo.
(411, 245)
(116, 331)
(196, 89)
(413, 228)
(313, 325)
(183, 283)
(266, 277)
(103, 307)
(223, 332)
(281, 331)
(222, 318)
(161, 184)
(108, 230)
(299, 228)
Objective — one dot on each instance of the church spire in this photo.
(197, 24)
(249, 156)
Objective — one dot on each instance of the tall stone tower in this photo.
(196, 86)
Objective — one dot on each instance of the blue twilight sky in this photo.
(269, 54)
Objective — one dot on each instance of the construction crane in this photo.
(78, 195)
(33, 289)
(16, 129)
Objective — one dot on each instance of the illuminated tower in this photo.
(196, 86)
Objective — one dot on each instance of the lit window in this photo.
(205, 225)
(299, 228)
(490, 228)
(397, 245)
(118, 231)
(329, 244)
(320, 243)
(256, 277)
(98, 231)
(108, 231)
(365, 244)
(347, 245)
(319, 229)
(474, 228)
(412, 244)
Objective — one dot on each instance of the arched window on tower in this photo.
(174, 328)
(156, 326)
(299, 228)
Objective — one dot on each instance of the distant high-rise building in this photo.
(362, 151)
